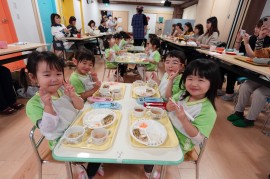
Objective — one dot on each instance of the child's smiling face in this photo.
(173, 65)
(49, 79)
(84, 67)
(197, 86)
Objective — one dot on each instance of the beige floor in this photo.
(231, 153)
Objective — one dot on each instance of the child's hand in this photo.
(94, 76)
(69, 90)
(172, 75)
(180, 113)
(246, 38)
(66, 30)
(98, 84)
(45, 97)
(171, 106)
(154, 76)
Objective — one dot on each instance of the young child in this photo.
(111, 52)
(84, 79)
(56, 104)
(201, 79)
(174, 66)
(124, 41)
(154, 57)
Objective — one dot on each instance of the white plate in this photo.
(142, 91)
(154, 132)
(93, 118)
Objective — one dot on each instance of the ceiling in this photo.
(147, 2)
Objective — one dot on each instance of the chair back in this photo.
(58, 44)
(202, 148)
(36, 143)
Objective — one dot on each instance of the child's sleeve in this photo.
(107, 53)
(77, 84)
(156, 57)
(34, 110)
(175, 87)
(206, 119)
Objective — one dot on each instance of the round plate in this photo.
(94, 118)
(144, 91)
(148, 132)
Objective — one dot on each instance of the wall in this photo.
(77, 13)
(90, 12)
(132, 10)
(266, 10)
(190, 12)
(24, 20)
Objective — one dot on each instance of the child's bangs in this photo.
(199, 71)
(55, 63)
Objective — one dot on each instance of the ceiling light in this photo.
(162, 1)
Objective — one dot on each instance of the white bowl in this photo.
(74, 134)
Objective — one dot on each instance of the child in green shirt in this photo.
(153, 58)
(84, 79)
(201, 79)
(174, 66)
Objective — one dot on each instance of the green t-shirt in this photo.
(156, 57)
(109, 64)
(175, 87)
(122, 44)
(76, 83)
(81, 83)
(63, 108)
(204, 116)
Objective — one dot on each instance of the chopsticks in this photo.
(187, 114)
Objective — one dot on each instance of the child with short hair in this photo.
(84, 79)
(200, 79)
(56, 105)
(153, 58)
(174, 66)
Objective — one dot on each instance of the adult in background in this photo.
(146, 37)
(102, 27)
(139, 26)
(110, 24)
(8, 97)
(72, 27)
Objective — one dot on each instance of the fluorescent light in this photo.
(162, 1)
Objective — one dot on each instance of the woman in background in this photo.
(72, 27)
(188, 29)
(211, 35)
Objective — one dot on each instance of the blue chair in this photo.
(267, 119)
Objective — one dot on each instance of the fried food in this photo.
(107, 120)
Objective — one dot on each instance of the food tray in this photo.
(123, 89)
(111, 137)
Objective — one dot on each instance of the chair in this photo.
(267, 120)
(199, 154)
(44, 156)
(107, 68)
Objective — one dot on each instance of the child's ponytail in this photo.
(23, 79)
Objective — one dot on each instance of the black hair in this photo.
(85, 54)
(155, 41)
(34, 59)
(190, 28)
(200, 28)
(180, 26)
(214, 26)
(117, 36)
(71, 19)
(106, 41)
(102, 21)
(90, 22)
(124, 35)
(173, 29)
(53, 15)
(203, 68)
(177, 54)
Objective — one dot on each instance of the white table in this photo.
(122, 150)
